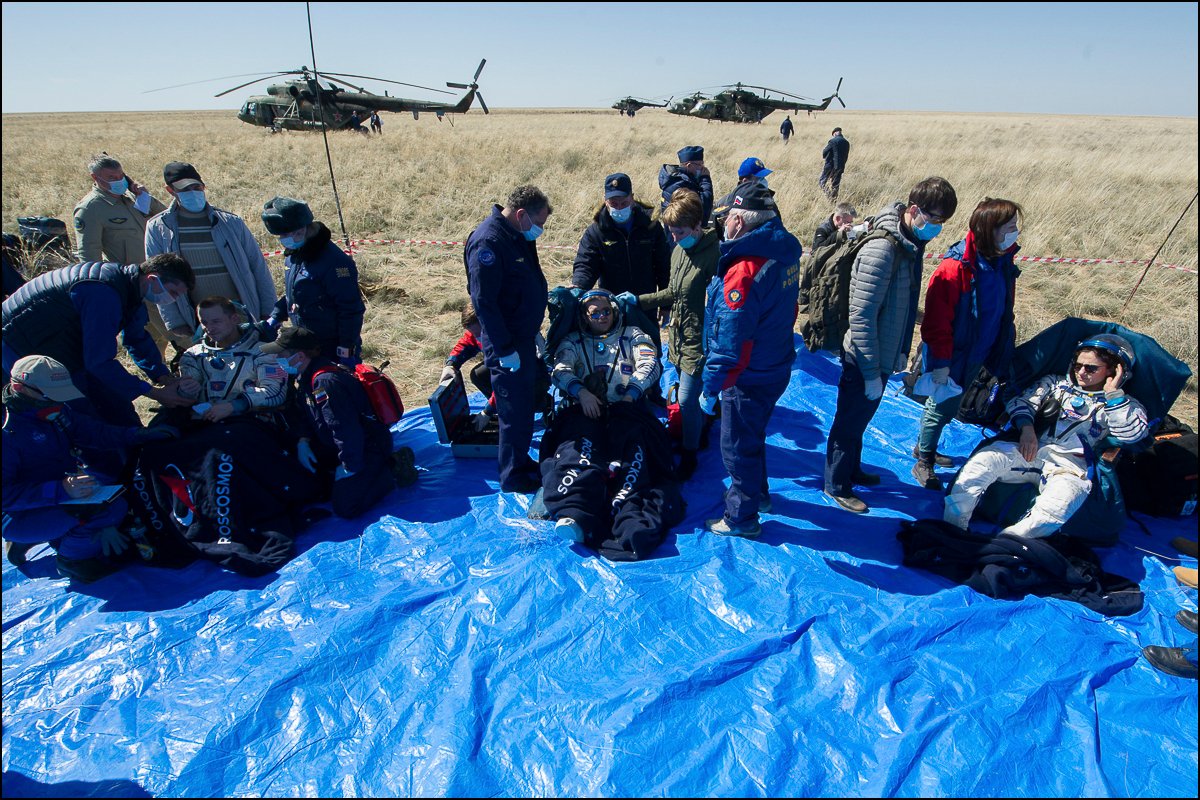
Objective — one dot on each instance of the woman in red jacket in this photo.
(968, 321)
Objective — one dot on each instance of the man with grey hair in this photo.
(748, 333)
(840, 221)
(509, 291)
(110, 224)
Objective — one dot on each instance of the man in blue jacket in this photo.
(689, 174)
(508, 290)
(748, 333)
(74, 314)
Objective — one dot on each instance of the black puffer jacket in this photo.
(637, 261)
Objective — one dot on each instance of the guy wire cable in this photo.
(1129, 299)
(324, 127)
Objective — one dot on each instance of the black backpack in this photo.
(1161, 479)
(825, 288)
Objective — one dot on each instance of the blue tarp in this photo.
(450, 646)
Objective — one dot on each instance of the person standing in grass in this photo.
(509, 293)
(968, 321)
(836, 151)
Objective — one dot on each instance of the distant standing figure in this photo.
(376, 123)
(785, 129)
(356, 125)
(836, 151)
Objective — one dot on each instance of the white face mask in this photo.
(1008, 241)
(156, 293)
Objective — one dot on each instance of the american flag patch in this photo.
(272, 372)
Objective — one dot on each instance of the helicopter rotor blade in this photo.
(206, 80)
(840, 100)
(339, 82)
(457, 85)
(385, 80)
(478, 70)
(482, 104)
(256, 80)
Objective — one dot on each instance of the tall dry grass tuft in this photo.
(1092, 187)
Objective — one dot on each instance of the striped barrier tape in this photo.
(928, 256)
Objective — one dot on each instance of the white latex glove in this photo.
(306, 456)
(874, 389)
(928, 386)
(510, 362)
(708, 404)
(480, 421)
(448, 373)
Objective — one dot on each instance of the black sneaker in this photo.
(16, 552)
(1171, 660)
(923, 472)
(1184, 545)
(938, 458)
(1187, 619)
(404, 467)
(850, 502)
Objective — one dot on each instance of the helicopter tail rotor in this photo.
(473, 85)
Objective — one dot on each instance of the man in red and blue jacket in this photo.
(748, 331)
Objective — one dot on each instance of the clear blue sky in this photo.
(1089, 58)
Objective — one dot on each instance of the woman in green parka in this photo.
(693, 264)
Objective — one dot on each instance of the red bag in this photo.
(381, 392)
(674, 416)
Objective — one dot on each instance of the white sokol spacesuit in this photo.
(1060, 468)
(624, 360)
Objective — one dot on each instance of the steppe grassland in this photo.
(1091, 187)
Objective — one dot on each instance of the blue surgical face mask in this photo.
(291, 243)
(927, 231)
(688, 242)
(156, 293)
(534, 232)
(192, 201)
(119, 187)
(620, 215)
(1008, 241)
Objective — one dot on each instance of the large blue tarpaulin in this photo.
(448, 645)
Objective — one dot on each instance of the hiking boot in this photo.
(15, 552)
(1186, 576)
(923, 472)
(938, 458)
(764, 505)
(1171, 660)
(569, 529)
(722, 526)
(687, 464)
(404, 468)
(850, 502)
(1185, 546)
(862, 478)
(84, 570)
(1187, 619)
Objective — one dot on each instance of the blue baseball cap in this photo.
(617, 185)
(753, 167)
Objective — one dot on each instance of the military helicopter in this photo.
(293, 104)
(737, 104)
(631, 105)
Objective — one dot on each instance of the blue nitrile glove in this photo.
(306, 456)
(341, 472)
(510, 362)
(708, 404)
(628, 297)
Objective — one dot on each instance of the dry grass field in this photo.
(1092, 187)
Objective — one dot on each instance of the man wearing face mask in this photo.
(320, 282)
(748, 332)
(110, 224)
(225, 257)
(74, 315)
(623, 248)
(509, 291)
(885, 285)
